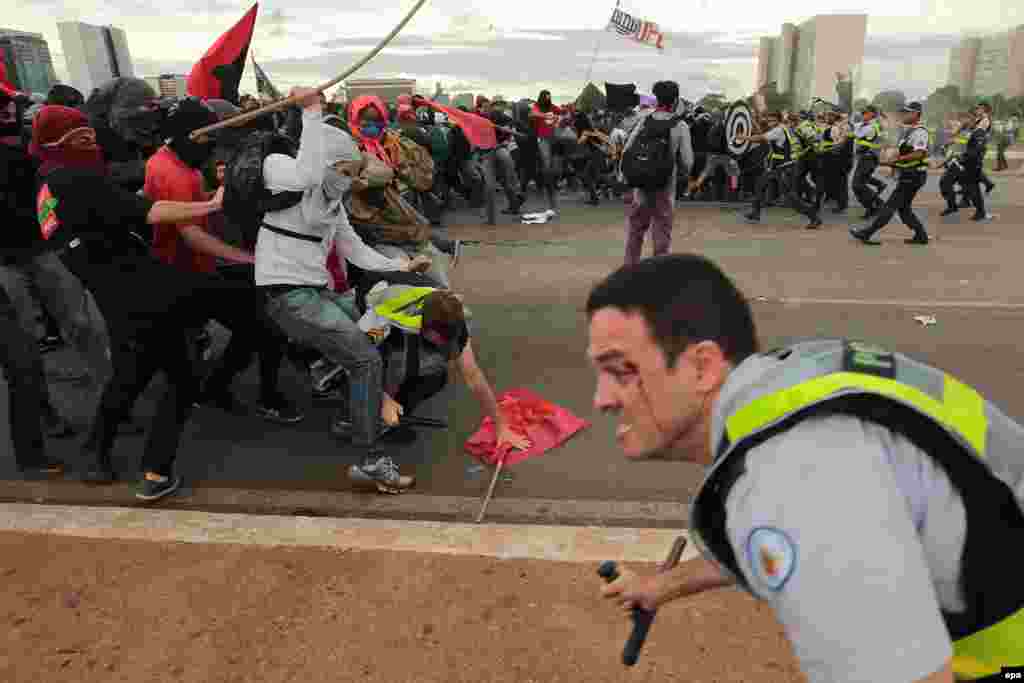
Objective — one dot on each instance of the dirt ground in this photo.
(86, 610)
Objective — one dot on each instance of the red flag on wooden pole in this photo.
(218, 73)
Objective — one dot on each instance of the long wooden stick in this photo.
(490, 489)
(290, 101)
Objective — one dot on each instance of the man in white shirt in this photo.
(291, 258)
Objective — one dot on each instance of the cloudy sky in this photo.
(516, 48)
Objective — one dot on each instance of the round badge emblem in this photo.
(772, 557)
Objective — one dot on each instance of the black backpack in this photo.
(246, 197)
(648, 163)
(717, 143)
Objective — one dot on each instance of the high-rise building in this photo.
(94, 54)
(28, 61)
(983, 66)
(803, 60)
(169, 85)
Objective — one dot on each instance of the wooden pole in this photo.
(245, 117)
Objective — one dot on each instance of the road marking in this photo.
(504, 541)
(901, 303)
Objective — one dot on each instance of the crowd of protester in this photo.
(314, 235)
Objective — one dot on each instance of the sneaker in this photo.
(985, 218)
(382, 475)
(814, 224)
(917, 239)
(949, 211)
(751, 217)
(279, 411)
(863, 237)
(150, 490)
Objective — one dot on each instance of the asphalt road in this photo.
(526, 287)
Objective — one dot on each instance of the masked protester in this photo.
(126, 116)
(291, 256)
(30, 268)
(93, 222)
(28, 400)
(173, 173)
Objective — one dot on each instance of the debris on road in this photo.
(926, 320)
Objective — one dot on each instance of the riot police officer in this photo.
(964, 158)
(868, 143)
(783, 166)
(912, 163)
(867, 498)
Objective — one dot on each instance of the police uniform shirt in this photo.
(917, 140)
(854, 536)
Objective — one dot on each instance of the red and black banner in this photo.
(218, 73)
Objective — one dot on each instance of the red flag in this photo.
(218, 73)
(478, 130)
(546, 425)
(6, 87)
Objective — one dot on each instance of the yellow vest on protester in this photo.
(967, 436)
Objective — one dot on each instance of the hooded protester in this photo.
(368, 119)
(367, 122)
(90, 219)
(291, 267)
(126, 116)
(173, 174)
(20, 246)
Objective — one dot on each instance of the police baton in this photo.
(642, 618)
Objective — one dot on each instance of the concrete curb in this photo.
(411, 506)
(557, 543)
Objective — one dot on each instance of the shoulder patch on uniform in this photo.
(772, 557)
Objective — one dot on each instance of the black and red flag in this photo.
(218, 73)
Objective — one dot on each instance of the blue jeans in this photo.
(68, 301)
(326, 321)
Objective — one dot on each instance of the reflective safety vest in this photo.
(405, 308)
(807, 135)
(905, 148)
(826, 143)
(957, 145)
(870, 143)
(969, 438)
(783, 153)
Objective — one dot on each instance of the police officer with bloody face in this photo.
(867, 497)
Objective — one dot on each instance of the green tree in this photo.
(772, 98)
(890, 100)
(943, 103)
(590, 99)
(713, 101)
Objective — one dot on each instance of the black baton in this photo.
(642, 618)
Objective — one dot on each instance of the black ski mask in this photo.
(128, 106)
(186, 116)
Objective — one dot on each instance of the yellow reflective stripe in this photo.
(870, 145)
(392, 308)
(985, 652)
(966, 417)
(966, 410)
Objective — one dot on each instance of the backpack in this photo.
(415, 164)
(246, 197)
(648, 163)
